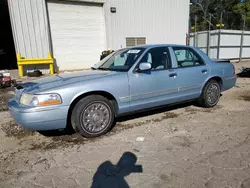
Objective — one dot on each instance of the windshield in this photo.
(121, 60)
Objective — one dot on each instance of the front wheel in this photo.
(210, 95)
(93, 116)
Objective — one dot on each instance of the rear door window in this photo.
(187, 57)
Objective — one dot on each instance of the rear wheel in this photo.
(210, 95)
(93, 116)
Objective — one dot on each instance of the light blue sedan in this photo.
(128, 80)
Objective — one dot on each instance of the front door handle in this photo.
(173, 75)
(204, 71)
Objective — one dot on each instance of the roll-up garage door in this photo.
(77, 33)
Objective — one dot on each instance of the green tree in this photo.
(221, 11)
(201, 9)
(243, 10)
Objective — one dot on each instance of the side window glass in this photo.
(158, 58)
(149, 58)
(180, 55)
(187, 58)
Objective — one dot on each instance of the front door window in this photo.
(158, 58)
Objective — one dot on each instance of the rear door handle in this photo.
(173, 75)
(204, 71)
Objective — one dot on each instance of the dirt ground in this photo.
(180, 146)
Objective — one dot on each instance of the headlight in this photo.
(40, 100)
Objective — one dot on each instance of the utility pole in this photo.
(219, 33)
(221, 14)
(219, 36)
(188, 35)
(209, 35)
(242, 36)
(189, 27)
(195, 25)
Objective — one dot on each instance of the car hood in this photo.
(63, 79)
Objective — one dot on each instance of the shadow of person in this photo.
(112, 176)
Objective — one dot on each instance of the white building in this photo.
(77, 31)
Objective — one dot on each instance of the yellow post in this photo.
(20, 67)
(51, 65)
(36, 61)
(18, 56)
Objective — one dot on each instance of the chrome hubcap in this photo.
(95, 117)
(213, 94)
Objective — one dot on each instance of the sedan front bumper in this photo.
(39, 119)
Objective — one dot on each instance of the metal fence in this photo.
(222, 44)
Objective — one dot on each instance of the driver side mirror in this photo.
(145, 66)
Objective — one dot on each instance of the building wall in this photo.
(160, 21)
(30, 27)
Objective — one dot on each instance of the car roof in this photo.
(158, 45)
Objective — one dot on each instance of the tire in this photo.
(210, 94)
(93, 116)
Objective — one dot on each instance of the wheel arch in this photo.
(105, 94)
(216, 78)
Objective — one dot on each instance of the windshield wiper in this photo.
(102, 68)
(93, 68)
